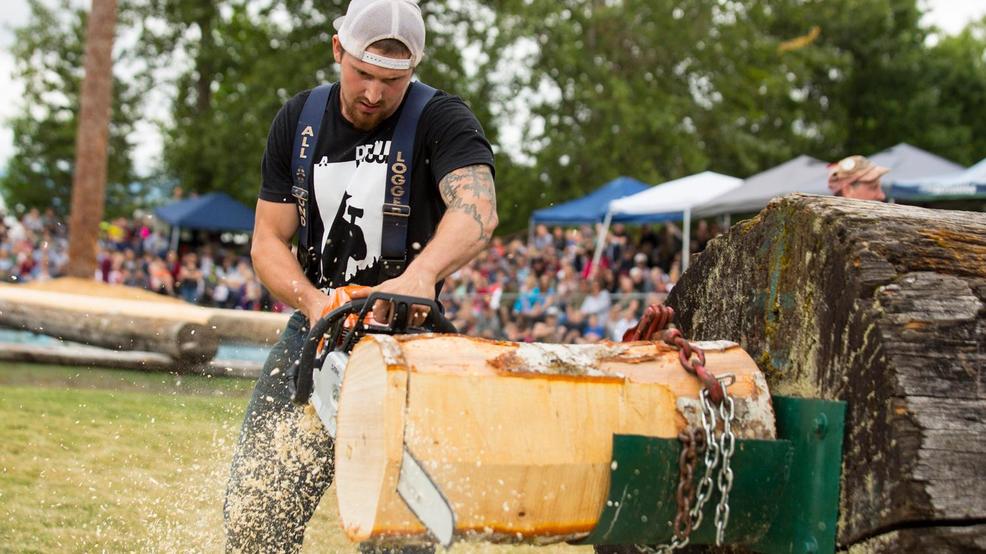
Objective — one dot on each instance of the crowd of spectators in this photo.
(136, 253)
(547, 288)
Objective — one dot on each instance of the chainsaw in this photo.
(320, 372)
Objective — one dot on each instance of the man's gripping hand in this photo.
(413, 282)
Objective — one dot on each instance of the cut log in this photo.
(67, 293)
(85, 356)
(518, 437)
(94, 357)
(174, 330)
(881, 306)
(247, 326)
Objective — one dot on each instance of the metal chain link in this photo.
(725, 481)
(706, 485)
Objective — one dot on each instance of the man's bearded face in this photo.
(369, 93)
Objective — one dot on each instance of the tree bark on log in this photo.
(884, 307)
(518, 437)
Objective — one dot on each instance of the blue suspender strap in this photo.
(305, 139)
(396, 208)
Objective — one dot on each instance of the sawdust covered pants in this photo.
(282, 463)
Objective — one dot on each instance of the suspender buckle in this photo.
(399, 210)
(392, 267)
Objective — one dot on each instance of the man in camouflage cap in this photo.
(857, 177)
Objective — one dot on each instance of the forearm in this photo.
(279, 271)
(466, 227)
(456, 242)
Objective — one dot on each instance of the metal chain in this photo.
(691, 501)
(706, 485)
(686, 482)
(727, 442)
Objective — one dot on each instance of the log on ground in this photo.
(177, 331)
(884, 307)
(95, 357)
(518, 437)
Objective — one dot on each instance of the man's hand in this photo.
(316, 307)
(410, 283)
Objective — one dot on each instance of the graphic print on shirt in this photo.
(350, 198)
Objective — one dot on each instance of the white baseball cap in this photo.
(367, 21)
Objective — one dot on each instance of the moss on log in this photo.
(881, 306)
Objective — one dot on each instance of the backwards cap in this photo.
(367, 21)
(854, 168)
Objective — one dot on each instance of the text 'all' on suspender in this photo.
(305, 140)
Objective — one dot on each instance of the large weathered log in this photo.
(518, 437)
(881, 306)
(169, 329)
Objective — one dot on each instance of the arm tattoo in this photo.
(470, 190)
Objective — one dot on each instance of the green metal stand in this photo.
(785, 494)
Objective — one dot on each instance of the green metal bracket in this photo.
(785, 492)
(811, 501)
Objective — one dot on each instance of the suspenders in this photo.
(305, 141)
(396, 207)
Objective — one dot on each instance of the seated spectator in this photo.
(597, 302)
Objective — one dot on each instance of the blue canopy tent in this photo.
(970, 183)
(212, 212)
(590, 208)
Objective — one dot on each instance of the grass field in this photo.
(114, 461)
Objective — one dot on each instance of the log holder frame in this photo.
(785, 496)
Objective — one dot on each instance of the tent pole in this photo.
(175, 237)
(686, 239)
(530, 231)
(601, 231)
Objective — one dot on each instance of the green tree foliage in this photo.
(658, 89)
(572, 93)
(958, 68)
(245, 59)
(48, 53)
(237, 66)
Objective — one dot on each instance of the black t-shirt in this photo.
(348, 176)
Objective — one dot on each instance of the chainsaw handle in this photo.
(435, 322)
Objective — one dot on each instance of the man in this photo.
(283, 460)
(857, 177)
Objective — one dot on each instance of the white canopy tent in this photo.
(671, 200)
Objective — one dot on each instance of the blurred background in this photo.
(577, 96)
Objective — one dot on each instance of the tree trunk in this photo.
(92, 139)
(518, 437)
(881, 306)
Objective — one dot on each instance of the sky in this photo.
(949, 15)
